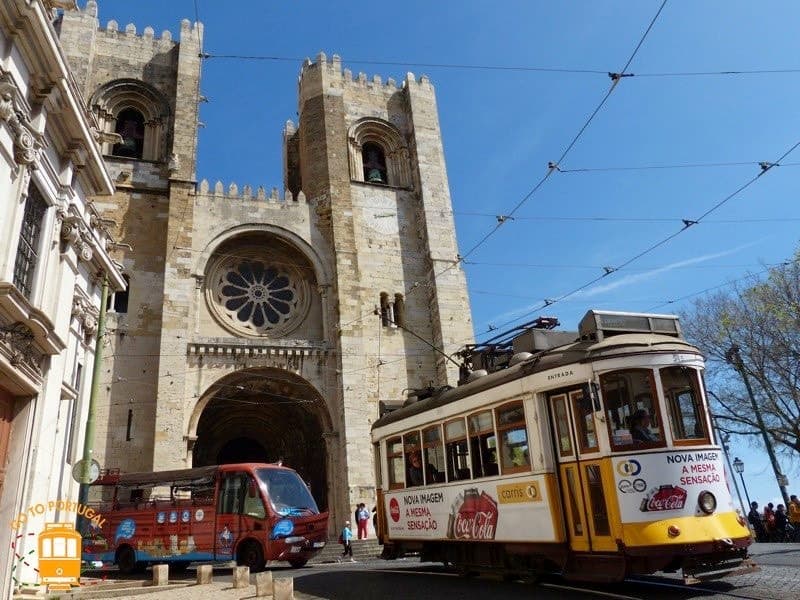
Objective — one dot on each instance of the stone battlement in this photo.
(247, 194)
(333, 67)
(189, 30)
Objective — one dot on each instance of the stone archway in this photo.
(264, 415)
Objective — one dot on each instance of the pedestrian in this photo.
(755, 521)
(362, 519)
(347, 538)
(794, 517)
(780, 524)
(769, 521)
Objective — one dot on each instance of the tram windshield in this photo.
(682, 393)
(634, 419)
(287, 493)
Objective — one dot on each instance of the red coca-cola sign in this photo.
(394, 509)
(666, 497)
(475, 518)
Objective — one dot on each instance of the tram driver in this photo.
(640, 428)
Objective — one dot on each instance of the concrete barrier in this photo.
(160, 574)
(205, 574)
(241, 577)
(264, 584)
(283, 589)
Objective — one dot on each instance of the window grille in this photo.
(29, 237)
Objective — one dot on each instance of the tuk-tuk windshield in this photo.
(287, 493)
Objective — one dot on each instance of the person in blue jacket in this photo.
(346, 538)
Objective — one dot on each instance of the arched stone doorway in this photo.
(264, 415)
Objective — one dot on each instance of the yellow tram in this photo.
(60, 556)
(589, 454)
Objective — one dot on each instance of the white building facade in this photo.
(53, 259)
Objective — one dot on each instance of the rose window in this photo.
(257, 298)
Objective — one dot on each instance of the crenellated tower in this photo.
(265, 325)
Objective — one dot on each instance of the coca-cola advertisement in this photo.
(659, 485)
(473, 516)
(666, 497)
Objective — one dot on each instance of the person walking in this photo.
(347, 541)
(794, 517)
(781, 520)
(755, 520)
(362, 519)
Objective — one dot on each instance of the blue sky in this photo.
(502, 127)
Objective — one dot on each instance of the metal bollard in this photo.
(241, 577)
(283, 589)
(160, 574)
(205, 574)
(264, 584)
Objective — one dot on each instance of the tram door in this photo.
(580, 472)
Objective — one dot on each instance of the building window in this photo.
(129, 427)
(374, 160)
(392, 313)
(118, 301)
(29, 238)
(130, 125)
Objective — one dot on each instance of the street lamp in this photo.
(734, 357)
(738, 466)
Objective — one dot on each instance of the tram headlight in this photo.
(707, 502)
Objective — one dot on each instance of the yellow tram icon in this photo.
(60, 556)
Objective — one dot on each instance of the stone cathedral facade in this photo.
(265, 325)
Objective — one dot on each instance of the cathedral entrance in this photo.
(264, 415)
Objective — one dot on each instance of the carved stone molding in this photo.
(27, 141)
(86, 313)
(19, 344)
(76, 233)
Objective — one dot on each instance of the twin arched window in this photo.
(378, 153)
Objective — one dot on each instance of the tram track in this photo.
(688, 591)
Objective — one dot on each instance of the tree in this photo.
(762, 318)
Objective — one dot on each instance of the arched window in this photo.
(130, 125)
(374, 161)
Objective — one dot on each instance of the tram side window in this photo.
(513, 434)
(633, 416)
(457, 450)
(583, 413)
(682, 393)
(433, 454)
(394, 459)
(414, 472)
(483, 444)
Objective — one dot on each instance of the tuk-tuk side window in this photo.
(253, 504)
(232, 492)
(394, 460)
(682, 393)
(457, 450)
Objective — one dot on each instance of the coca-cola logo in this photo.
(666, 497)
(394, 509)
(474, 518)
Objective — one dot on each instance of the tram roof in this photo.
(576, 352)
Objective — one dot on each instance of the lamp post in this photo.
(738, 466)
(735, 358)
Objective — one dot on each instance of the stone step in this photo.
(362, 550)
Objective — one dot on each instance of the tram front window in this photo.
(681, 391)
(633, 416)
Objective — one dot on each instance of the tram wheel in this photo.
(251, 555)
(298, 563)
